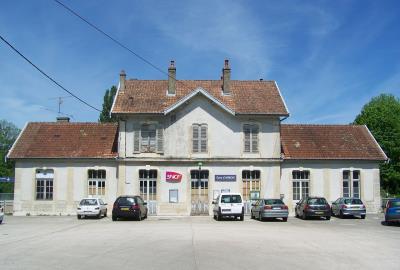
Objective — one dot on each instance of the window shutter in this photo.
(203, 138)
(246, 130)
(152, 133)
(136, 138)
(160, 139)
(195, 138)
(254, 139)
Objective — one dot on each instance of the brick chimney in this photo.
(172, 78)
(226, 78)
(62, 119)
(122, 79)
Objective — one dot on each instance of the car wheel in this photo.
(260, 218)
(105, 214)
(295, 213)
(332, 213)
(251, 215)
(341, 214)
(242, 217)
(219, 217)
(140, 216)
(145, 216)
(79, 216)
(362, 216)
(99, 215)
(114, 218)
(328, 217)
(304, 216)
(284, 219)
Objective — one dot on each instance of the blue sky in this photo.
(328, 57)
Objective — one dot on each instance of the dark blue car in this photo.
(392, 211)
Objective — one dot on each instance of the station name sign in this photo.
(225, 178)
(173, 177)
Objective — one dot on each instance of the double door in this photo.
(148, 189)
(199, 192)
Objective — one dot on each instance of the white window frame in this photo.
(302, 184)
(46, 179)
(99, 182)
(253, 140)
(351, 180)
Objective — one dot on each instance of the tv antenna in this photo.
(60, 102)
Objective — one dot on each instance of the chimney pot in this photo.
(226, 78)
(172, 78)
(122, 79)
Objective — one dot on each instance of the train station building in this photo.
(179, 143)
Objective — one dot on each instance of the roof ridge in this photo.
(325, 125)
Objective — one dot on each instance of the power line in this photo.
(112, 38)
(47, 76)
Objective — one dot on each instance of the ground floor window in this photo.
(251, 184)
(96, 182)
(44, 184)
(148, 184)
(351, 184)
(301, 184)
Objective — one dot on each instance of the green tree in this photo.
(382, 117)
(8, 134)
(107, 104)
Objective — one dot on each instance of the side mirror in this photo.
(214, 202)
(297, 203)
(145, 203)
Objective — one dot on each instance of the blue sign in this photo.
(225, 178)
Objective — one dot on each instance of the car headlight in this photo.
(97, 208)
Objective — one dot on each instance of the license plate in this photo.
(276, 208)
(124, 209)
(319, 213)
(226, 210)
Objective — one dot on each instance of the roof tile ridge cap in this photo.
(322, 125)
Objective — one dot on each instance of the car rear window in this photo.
(316, 201)
(126, 200)
(231, 199)
(352, 201)
(395, 204)
(273, 201)
(88, 202)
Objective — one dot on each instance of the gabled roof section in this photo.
(194, 93)
(66, 140)
(336, 142)
(247, 97)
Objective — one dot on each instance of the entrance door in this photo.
(251, 188)
(148, 189)
(199, 191)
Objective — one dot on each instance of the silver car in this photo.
(269, 208)
(348, 207)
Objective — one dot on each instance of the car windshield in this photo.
(126, 201)
(88, 202)
(231, 199)
(316, 201)
(273, 201)
(352, 201)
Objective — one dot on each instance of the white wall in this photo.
(326, 180)
(69, 187)
(225, 132)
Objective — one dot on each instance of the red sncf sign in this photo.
(173, 176)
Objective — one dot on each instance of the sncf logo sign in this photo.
(173, 177)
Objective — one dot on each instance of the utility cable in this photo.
(47, 76)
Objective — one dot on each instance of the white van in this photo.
(228, 205)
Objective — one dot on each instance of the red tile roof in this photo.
(66, 140)
(329, 142)
(247, 97)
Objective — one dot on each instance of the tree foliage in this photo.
(382, 117)
(8, 134)
(107, 104)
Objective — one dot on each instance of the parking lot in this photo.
(197, 243)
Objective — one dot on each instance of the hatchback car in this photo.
(228, 205)
(1, 214)
(91, 207)
(392, 211)
(129, 207)
(348, 207)
(313, 207)
(269, 208)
